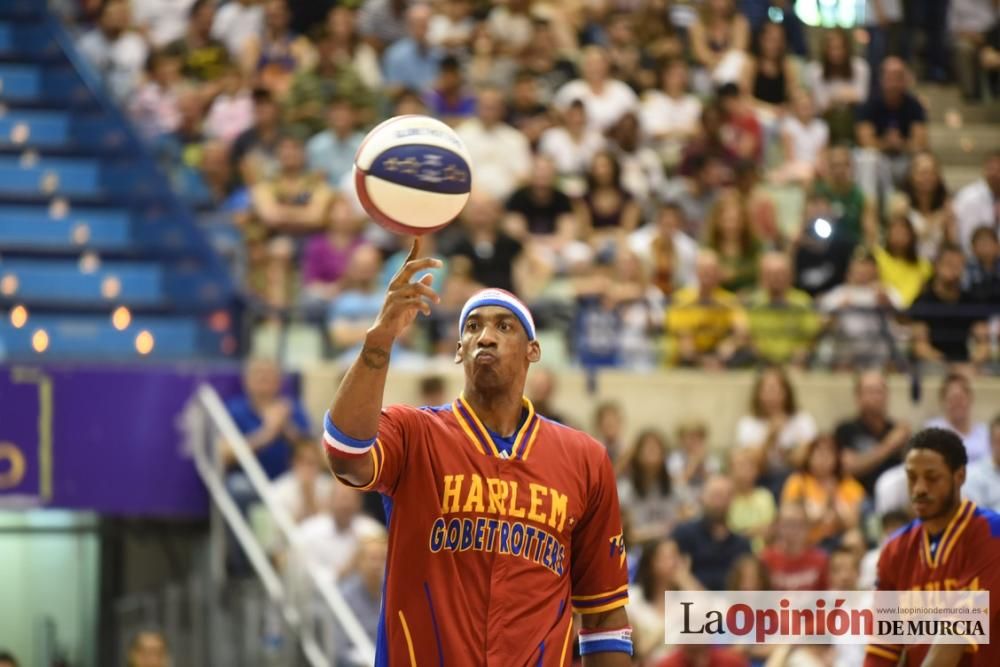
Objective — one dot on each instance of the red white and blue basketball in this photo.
(412, 174)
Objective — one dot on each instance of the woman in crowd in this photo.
(646, 488)
(770, 76)
(327, 255)
(839, 82)
(731, 236)
(352, 51)
(900, 267)
(662, 568)
(775, 427)
(670, 115)
(572, 145)
(831, 498)
(753, 509)
(277, 53)
(720, 36)
(929, 205)
(607, 210)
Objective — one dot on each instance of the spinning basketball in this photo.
(412, 174)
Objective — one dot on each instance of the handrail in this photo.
(209, 401)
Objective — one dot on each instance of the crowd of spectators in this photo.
(707, 184)
(784, 505)
(703, 184)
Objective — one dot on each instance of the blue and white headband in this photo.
(498, 297)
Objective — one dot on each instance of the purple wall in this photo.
(102, 439)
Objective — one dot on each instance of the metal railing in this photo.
(307, 602)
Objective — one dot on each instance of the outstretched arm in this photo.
(357, 405)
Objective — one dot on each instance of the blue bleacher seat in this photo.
(93, 337)
(34, 227)
(44, 128)
(74, 177)
(62, 281)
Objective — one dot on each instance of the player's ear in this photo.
(534, 351)
(960, 476)
(458, 353)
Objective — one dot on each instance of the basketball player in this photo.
(952, 545)
(502, 523)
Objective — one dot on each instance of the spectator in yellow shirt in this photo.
(706, 326)
(783, 322)
(899, 266)
(832, 498)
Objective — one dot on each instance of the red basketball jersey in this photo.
(489, 556)
(967, 557)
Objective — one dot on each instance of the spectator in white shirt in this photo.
(804, 137)
(572, 146)
(606, 99)
(236, 22)
(982, 486)
(452, 27)
(668, 253)
(978, 203)
(776, 427)
(330, 540)
(670, 116)
(957, 399)
(303, 491)
(161, 21)
(501, 156)
(510, 24)
(117, 53)
(154, 106)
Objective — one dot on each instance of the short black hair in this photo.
(947, 248)
(262, 96)
(943, 441)
(450, 64)
(728, 90)
(6, 656)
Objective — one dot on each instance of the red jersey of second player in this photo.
(966, 557)
(489, 556)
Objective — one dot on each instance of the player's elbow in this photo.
(353, 471)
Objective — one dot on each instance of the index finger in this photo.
(414, 251)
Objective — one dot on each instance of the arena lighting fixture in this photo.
(40, 341)
(144, 342)
(81, 233)
(8, 284)
(121, 318)
(111, 287)
(18, 316)
(823, 228)
(89, 262)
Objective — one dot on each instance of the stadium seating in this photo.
(87, 222)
